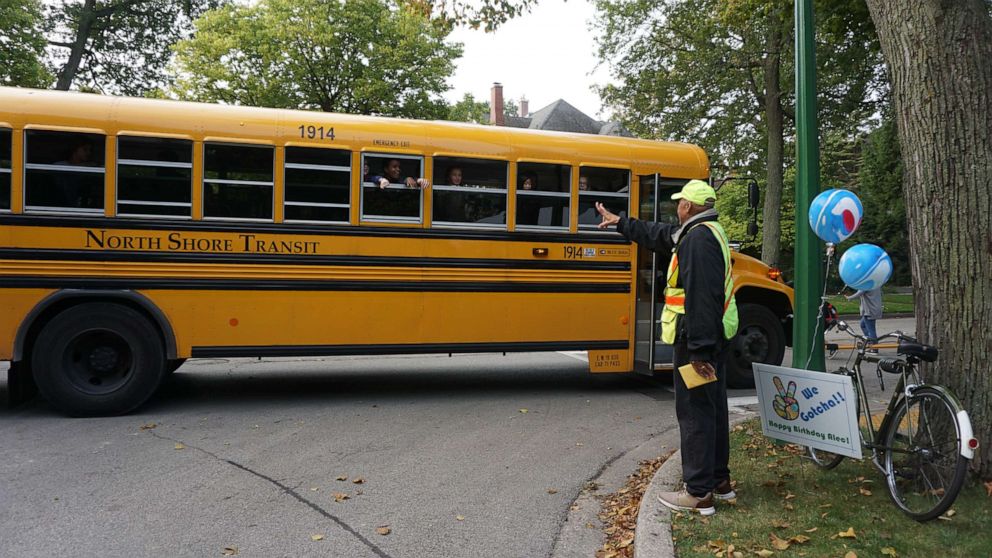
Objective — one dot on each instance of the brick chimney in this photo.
(524, 109)
(496, 106)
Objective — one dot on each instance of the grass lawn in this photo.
(786, 506)
(891, 302)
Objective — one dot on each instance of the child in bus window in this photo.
(455, 176)
(528, 182)
(583, 183)
(392, 170)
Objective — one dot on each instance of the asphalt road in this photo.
(464, 456)
(470, 456)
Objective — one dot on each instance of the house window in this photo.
(543, 196)
(237, 181)
(469, 192)
(396, 201)
(318, 184)
(154, 177)
(64, 171)
(611, 187)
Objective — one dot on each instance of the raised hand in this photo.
(609, 218)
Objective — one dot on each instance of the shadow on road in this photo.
(216, 384)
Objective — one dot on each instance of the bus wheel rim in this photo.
(98, 362)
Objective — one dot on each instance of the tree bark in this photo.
(87, 17)
(939, 54)
(771, 215)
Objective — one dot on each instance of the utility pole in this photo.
(807, 334)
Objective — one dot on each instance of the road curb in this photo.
(653, 532)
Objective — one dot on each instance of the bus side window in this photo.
(543, 198)
(154, 177)
(469, 192)
(237, 181)
(64, 171)
(396, 202)
(318, 184)
(5, 157)
(611, 187)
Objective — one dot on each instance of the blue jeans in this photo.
(868, 328)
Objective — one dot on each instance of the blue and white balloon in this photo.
(835, 214)
(865, 267)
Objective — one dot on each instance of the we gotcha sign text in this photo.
(808, 408)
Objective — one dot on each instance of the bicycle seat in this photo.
(923, 352)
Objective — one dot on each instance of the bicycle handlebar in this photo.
(842, 325)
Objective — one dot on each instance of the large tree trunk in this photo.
(771, 217)
(84, 26)
(940, 59)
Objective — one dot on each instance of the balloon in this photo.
(865, 267)
(835, 214)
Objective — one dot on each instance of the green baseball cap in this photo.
(697, 192)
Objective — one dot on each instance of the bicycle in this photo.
(924, 441)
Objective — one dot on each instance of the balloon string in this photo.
(823, 303)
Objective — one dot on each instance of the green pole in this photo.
(806, 337)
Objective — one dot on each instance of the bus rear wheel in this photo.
(98, 359)
(760, 338)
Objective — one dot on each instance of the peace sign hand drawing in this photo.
(785, 403)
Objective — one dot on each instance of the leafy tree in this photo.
(22, 44)
(355, 56)
(939, 53)
(718, 73)
(119, 46)
(469, 110)
(880, 190)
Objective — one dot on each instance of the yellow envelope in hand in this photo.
(692, 378)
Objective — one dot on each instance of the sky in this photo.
(546, 55)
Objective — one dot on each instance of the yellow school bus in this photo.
(138, 233)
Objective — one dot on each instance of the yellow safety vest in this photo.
(675, 297)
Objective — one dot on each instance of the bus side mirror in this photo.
(753, 194)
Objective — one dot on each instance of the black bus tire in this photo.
(98, 359)
(760, 338)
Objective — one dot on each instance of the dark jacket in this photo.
(701, 273)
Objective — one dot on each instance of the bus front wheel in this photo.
(760, 338)
(98, 359)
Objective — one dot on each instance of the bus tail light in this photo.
(774, 273)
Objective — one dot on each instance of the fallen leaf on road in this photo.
(342, 478)
(314, 488)
(552, 491)
(384, 530)
(523, 411)
(460, 517)
(148, 426)
(230, 551)
(358, 480)
(316, 538)
(341, 497)
(849, 534)
(180, 446)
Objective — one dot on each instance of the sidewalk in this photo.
(653, 534)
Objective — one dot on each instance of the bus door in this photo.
(656, 205)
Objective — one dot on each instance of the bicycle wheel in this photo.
(924, 468)
(824, 459)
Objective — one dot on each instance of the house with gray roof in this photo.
(559, 116)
